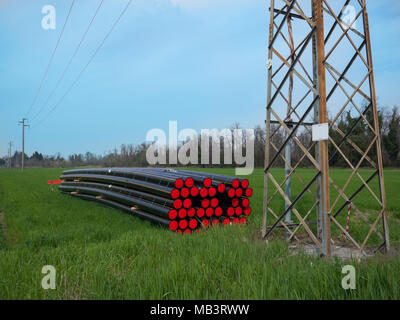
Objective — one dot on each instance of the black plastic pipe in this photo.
(120, 198)
(137, 194)
(121, 181)
(109, 203)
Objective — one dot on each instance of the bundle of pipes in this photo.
(185, 201)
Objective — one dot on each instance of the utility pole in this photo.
(9, 154)
(23, 141)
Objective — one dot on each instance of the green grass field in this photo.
(102, 253)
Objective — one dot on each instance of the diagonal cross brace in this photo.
(291, 206)
(292, 133)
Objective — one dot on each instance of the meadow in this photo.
(102, 253)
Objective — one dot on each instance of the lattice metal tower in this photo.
(320, 72)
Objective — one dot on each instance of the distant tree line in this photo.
(35, 160)
(135, 155)
(352, 146)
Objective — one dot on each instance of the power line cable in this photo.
(85, 67)
(51, 59)
(69, 63)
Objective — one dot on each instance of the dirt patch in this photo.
(340, 247)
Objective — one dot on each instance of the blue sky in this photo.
(199, 62)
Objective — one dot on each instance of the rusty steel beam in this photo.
(385, 219)
(268, 121)
(323, 118)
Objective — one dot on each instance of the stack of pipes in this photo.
(184, 201)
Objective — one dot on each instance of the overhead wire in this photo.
(51, 60)
(85, 67)
(69, 62)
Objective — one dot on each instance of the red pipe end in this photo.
(215, 222)
(179, 183)
(218, 211)
(193, 224)
(178, 204)
(243, 220)
(187, 231)
(214, 202)
(173, 225)
(226, 222)
(194, 192)
(183, 224)
(231, 193)
(239, 192)
(175, 194)
(200, 212)
(245, 202)
(172, 214)
(249, 192)
(209, 212)
(235, 202)
(235, 183)
(245, 183)
(207, 182)
(189, 182)
(205, 223)
(236, 221)
(182, 213)
(247, 211)
(205, 203)
(231, 211)
(212, 192)
(185, 192)
(221, 188)
(191, 212)
(238, 211)
(187, 203)
(203, 192)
